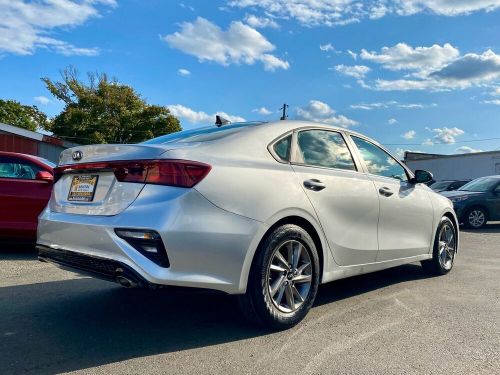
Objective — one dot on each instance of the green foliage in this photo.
(105, 111)
(23, 116)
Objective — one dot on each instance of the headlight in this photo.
(459, 199)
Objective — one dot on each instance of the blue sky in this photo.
(417, 74)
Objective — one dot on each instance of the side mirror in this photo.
(421, 177)
(44, 176)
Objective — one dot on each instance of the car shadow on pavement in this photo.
(77, 324)
(17, 252)
(493, 227)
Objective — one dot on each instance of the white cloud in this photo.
(391, 104)
(25, 26)
(43, 100)
(184, 72)
(192, 116)
(428, 142)
(446, 7)
(404, 57)
(434, 71)
(262, 111)
(356, 71)
(326, 47)
(470, 69)
(318, 111)
(493, 101)
(344, 12)
(261, 22)
(239, 44)
(495, 92)
(392, 121)
(410, 134)
(352, 54)
(446, 135)
(466, 150)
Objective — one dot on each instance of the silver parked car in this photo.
(267, 211)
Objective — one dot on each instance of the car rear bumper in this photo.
(100, 268)
(207, 247)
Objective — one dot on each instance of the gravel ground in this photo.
(390, 322)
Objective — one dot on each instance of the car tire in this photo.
(444, 250)
(279, 296)
(476, 218)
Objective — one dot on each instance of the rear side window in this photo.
(324, 148)
(10, 168)
(282, 148)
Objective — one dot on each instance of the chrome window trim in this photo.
(270, 147)
(295, 149)
(409, 173)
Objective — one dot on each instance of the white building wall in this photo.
(466, 167)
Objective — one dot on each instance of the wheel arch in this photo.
(450, 215)
(311, 227)
(477, 205)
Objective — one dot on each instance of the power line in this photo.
(464, 141)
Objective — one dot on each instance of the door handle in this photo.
(314, 184)
(385, 191)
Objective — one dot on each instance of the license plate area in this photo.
(82, 188)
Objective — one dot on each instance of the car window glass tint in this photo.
(17, 170)
(282, 148)
(324, 148)
(482, 184)
(378, 161)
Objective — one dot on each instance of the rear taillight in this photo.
(180, 173)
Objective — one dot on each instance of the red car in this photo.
(25, 188)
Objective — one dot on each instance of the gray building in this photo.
(455, 167)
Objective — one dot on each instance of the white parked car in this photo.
(267, 211)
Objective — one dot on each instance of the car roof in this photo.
(33, 158)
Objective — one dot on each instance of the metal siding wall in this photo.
(15, 143)
(50, 151)
(456, 168)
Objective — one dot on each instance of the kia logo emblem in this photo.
(77, 155)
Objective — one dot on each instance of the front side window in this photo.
(378, 161)
(323, 148)
(17, 170)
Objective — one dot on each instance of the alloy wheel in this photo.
(289, 276)
(477, 218)
(447, 246)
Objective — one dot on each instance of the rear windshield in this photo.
(204, 134)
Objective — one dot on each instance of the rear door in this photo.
(22, 198)
(406, 213)
(344, 199)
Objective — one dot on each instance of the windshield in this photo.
(482, 184)
(439, 185)
(208, 133)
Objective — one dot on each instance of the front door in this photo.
(344, 199)
(494, 203)
(22, 198)
(406, 213)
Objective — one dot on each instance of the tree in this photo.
(105, 111)
(23, 116)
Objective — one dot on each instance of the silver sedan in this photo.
(267, 211)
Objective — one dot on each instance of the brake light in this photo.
(180, 173)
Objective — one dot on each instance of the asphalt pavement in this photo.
(398, 321)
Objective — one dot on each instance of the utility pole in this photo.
(284, 108)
